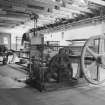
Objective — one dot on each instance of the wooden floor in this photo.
(23, 95)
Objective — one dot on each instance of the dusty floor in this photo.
(9, 76)
(13, 92)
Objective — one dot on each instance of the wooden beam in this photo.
(70, 10)
(11, 18)
(100, 2)
(75, 7)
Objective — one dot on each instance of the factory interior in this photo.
(52, 52)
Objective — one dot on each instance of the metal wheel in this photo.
(60, 67)
(93, 60)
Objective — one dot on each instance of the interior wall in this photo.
(77, 33)
(15, 32)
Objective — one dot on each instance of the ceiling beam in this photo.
(10, 22)
(11, 18)
(14, 16)
(100, 2)
(75, 7)
(13, 2)
(56, 14)
(59, 13)
(71, 10)
(6, 26)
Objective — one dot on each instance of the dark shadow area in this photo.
(56, 86)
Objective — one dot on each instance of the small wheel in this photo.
(93, 60)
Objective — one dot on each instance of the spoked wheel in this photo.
(93, 60)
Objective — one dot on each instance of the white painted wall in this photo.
(77, 33)
(17, 31)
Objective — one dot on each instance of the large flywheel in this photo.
(60, 67)
(93, 59)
